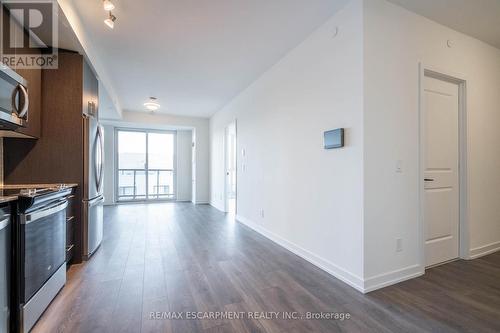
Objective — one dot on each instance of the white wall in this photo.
(395, 41)
(185, 127)
(200, 130)
(312, 198)
(184, 141)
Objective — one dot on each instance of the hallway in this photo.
(176, 257)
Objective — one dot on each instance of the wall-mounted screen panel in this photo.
(334, 138)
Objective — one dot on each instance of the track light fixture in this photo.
(110, 21)
(108, 5)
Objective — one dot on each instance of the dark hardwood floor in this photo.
(178, 257)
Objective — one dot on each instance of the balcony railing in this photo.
(134, 184)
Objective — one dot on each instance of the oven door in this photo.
(43, 246)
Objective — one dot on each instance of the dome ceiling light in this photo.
(152, 104)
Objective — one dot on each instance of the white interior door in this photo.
(441, 174)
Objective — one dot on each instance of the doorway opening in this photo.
(230, 169)
(443, 150)
(145, 168)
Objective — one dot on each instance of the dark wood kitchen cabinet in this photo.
(34, 78)
(71, 214)
(58, 155)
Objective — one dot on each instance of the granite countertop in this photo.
(21, 186)
(10, 198)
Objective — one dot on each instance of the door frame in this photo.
(226, 208)
(463, 173)
(117, 166)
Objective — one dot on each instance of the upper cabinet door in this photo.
(95, 93)
(34, 78)
(90, 94)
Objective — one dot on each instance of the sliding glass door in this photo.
(161, 172)
(145, 165)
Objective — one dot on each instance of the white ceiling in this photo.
(476, 18)
(195, 55)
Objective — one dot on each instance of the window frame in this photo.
(116, 169)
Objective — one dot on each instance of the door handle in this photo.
(428, 179)
(99, 158)
(96, 201)
(91, 109)
(22, 112)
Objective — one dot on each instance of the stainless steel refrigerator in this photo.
(93, 198)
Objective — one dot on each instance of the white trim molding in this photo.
(358, 283)
(219, 208)
(483, 250)
(461, 80)
(393, 277)
(340, 273)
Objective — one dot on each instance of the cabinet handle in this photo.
(428, 179)
(91, 108)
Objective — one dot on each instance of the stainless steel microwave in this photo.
(14, 99)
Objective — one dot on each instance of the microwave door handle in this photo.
(24, 99)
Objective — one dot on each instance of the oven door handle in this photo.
(32, 217)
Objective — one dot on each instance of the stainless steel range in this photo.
(39, 251)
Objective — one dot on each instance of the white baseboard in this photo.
(390, 278)
(202, 203)
(216, 206)
(329, 267)
(484, 250)
(358, 283)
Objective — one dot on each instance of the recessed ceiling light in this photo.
(108, 5)
(152, 104)
(110, 21)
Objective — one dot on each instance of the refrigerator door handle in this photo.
(99, 158)
(95, 201)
